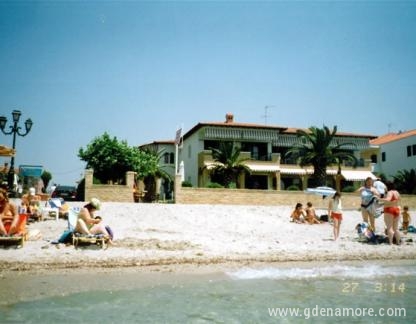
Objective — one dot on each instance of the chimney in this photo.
(229, 118)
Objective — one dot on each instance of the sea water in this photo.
(366, 293)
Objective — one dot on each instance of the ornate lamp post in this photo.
(15, 129)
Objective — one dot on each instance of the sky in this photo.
(138, 70)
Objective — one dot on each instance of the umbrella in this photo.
(321, 191)
(6, 151)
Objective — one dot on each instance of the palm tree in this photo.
(319, 148)
(155, 171)
(405, 181)
(228, 165)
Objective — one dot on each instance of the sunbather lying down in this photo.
(90, 225)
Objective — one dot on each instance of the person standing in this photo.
(406, 218)
(392, 213)
(369, 196)
(335, 211)
(380, 187)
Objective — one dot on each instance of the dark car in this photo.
(68, 193)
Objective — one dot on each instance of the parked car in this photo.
(68, 193)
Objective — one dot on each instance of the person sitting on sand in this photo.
(311, 217)
(8, 215)
(298, 214)
(88, 224)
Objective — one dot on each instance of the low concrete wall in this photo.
(267, 197)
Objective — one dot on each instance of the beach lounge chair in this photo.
(20, 236)
(80, 238)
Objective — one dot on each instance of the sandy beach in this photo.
(159, 243)
(172, 236)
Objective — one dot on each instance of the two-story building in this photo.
(265, 147)
(397, 152)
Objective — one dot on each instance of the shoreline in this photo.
(36, 284)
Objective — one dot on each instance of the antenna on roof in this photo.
(389, 128)
(266, 113)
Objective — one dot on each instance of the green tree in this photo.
(108, 157)
(111, 159)
(46, 177)
(228, 164)
(320, 149)
(405, 181)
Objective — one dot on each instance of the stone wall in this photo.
(109, 192)
(266, 197)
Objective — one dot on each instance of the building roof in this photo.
(232, 125)
(392, 137)
(155, 143)
(293, 130)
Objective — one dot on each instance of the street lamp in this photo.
(14, 130)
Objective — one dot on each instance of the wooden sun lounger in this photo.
(19, 240)
(99, 239)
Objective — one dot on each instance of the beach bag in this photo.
(323, 218)
(66, 237)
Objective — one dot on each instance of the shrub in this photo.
(186, 184)
(293, 188)
(214, 185)
(348, 189)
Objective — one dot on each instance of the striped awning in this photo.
(6, 151)
(257, 167)
(356, 175)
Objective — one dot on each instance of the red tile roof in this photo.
(391, 137)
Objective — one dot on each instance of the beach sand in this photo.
(197, 239)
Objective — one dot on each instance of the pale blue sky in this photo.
(138, 70)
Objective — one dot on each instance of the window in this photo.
(414, 149)
(172, 158)
(409, 150)
(166, 158)
(383, 157)
(373, 158)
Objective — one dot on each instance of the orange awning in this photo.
(6, 151)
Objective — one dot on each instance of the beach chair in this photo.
(21, 235)
(80, 238)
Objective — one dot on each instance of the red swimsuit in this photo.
(393, 210)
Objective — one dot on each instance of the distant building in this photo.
(396, 152)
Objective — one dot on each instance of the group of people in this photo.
(304, 215)
(87, 222)
(376, 198)
(308, 215)
(376, 195)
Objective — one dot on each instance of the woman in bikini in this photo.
(335, 212)
(392, 213)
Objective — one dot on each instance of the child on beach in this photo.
(311, 217)
(406, 218)
(298, 214)
(335, 212)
